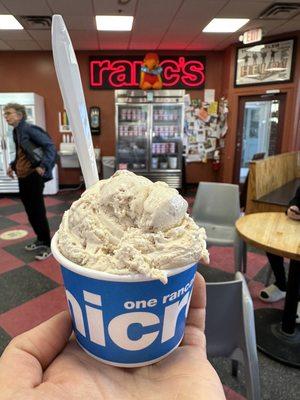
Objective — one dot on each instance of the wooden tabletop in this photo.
(271, 231)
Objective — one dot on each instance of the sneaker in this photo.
(44, 254)
(35, 245)
(271, 294)
(298, 314)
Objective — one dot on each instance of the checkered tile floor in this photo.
(31, 292)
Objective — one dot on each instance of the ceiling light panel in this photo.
(114, 22)
(9, 22)
(221, 25)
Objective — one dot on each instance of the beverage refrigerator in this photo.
(149, 131)
(34, 105)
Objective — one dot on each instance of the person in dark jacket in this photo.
(277, 290)
(35, 159)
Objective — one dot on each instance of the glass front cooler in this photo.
(132, 142)
(166, 137)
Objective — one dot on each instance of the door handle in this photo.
(4, 144)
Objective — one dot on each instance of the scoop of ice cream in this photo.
(128, 224)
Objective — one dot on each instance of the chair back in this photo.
(216, 203)
(230, 328)
(224, 317)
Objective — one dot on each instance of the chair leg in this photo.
(234, 368)
(244, 245)
(269, 274)
(240, 255)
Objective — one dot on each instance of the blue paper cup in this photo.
(126, 320)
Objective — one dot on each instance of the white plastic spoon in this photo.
(69, 80)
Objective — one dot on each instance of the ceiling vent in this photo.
(281, 11)
(35, 21)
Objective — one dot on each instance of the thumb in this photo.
(195, 323)
(27, 355)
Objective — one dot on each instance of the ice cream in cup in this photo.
(128, 251)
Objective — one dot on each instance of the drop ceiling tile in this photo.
(290, 26)
(189, 22)
(207, 41)
(83, 35)
(45, 44)
(71, 7)
(149, 25)
(111, 7)
(266, 25)
(3, 10)
(23, 44)
(296, 18)
(249, 9)
(27, 7)
(40, 34)
(4, 46)
(86, 45)
(14, 35)
(113, 40)
(82, 39)
(80, 22)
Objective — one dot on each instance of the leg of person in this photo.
(25, 187)
(292, 297)
(37, 214)
(276, 291)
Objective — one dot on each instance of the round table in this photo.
(277, 333)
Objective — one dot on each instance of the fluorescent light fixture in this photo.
(9, 22)
(219, 25)
(114, 23)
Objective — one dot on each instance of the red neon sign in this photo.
(115, 73)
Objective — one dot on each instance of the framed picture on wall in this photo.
(265, 63)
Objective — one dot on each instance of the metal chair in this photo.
(216, 208)
(230, 328)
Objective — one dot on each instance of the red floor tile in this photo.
(231, 395)
(21, 217)
(255, 288)
(255, 262)
(51, 201)
(223, 258)
(32, 313)
(49, 267)
(7, 202)
(8, 261)
(31, 234)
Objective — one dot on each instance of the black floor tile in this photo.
(4, 339)
(54, 222)
(15, 208)
(70, 195)
(59, 208)
(214, 275)
(261, 276)
(18, 250)
(7, 223)
(21, 285)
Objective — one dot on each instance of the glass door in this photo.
(166, 146)
(260, 131)
(132, 138)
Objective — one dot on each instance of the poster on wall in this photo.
(264, 63)
(205, 129)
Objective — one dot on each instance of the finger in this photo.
(198, 300)
(195, 323)
(29, 354)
